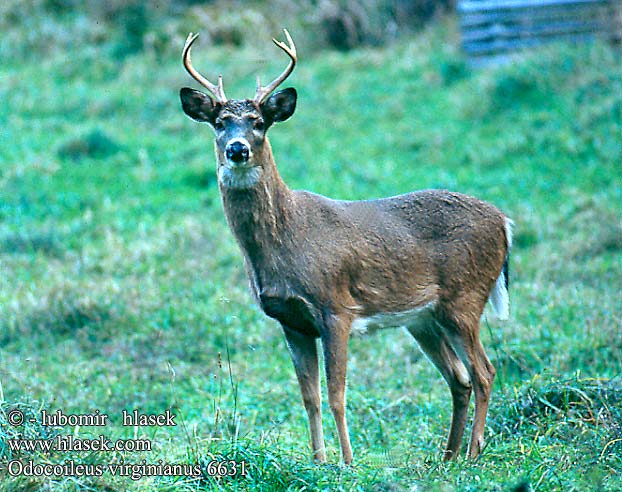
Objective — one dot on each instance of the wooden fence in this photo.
(493, 29)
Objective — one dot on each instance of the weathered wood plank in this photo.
(494, 29)
(494, 5)
(499, 31)
(519, 16)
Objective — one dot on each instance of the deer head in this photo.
(240, 125)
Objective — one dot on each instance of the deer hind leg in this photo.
(437, 348)
(335, 346)
(483, 375)
(303, 350)
(464, 337)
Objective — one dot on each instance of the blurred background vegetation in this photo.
(121, 286)
(43, 26)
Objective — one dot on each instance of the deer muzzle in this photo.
(238, 151)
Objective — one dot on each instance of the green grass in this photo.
(122, 288)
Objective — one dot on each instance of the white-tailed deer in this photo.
(427, 261)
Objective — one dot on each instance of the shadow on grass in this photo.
(60, 313)
(48, 243)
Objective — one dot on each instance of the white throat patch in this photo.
(238, 177)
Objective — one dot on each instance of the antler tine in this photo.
(217, 90)
(290, 49)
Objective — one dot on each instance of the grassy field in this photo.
(121, 287)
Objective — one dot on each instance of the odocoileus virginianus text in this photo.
(427, 261)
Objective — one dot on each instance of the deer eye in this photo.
(259, 125)
(218, 125)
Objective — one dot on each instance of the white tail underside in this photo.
(499, 297)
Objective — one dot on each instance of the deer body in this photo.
(427, 260)
(363, 258)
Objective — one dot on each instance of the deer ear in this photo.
(280, 105)
(198, 106)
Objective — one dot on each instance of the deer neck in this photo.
(259, 216)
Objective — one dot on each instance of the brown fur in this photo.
(317, 265)
(366, 257)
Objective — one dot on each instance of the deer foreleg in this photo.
(335, 346)
(303, 350)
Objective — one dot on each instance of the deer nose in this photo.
(237, 152)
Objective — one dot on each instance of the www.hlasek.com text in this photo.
(66, 443)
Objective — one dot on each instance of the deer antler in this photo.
(290, 49)
(217, 90)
